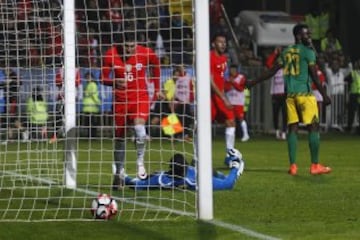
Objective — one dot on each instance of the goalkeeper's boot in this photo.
(119, 180)
(293, 169)
(141, 172)
(317, 169)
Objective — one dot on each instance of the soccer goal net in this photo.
(58, 134)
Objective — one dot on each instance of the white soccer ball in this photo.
(104, 207)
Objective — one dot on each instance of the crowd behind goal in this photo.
(31, 58)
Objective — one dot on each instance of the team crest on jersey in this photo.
(138, 66)
(128, 67)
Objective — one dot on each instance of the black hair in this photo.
(130, 36)
(175, 70)
(234, 66)
(13, 75)
(89, 74)
(218, 34)
(178, 165)
(298, 28)
(37, 94)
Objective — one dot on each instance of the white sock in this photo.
(140, 133)
(244, 128)
(230, 137)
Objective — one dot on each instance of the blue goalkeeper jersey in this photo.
(164, 180)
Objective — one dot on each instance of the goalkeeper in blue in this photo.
(183, 175)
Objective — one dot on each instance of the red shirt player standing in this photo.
(234, 89)
(221, 108)
(129, 63)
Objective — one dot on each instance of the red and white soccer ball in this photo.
(104, 207)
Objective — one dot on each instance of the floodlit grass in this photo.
(265, 200)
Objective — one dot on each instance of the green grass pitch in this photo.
(266, 200)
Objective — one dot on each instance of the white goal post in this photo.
(70, 92)
(203, 98)
(54, 163)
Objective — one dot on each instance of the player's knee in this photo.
(230, 123)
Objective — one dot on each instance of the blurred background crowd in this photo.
(31, 52)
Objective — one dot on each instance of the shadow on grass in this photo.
(266, 170)
(316, 179)
(206, 231)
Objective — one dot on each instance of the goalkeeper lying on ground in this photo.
(183, 175)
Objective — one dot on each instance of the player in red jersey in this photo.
(129, 63)
(234, 90)
(221, 108)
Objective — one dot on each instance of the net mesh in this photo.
(33, 140)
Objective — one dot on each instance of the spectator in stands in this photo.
(164, 12)
(114, 16)
(54, 45)
(87, 49)
(330, 43)
(180, 39)
(318, 22)
(91, 105)
(130, 20)
(215, 11)
(247, 94)
(321, 61)
(152, 23)
(183, 100)
(345, 62)
(234, 89)
(182, 175)
(220, 26)
(247, 56)
(354, 97)
(278, 96)
(92, 15)
(11, 87)
(336, 83)
(34, 55)
(37, 111)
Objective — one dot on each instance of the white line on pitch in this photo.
(229, 226)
